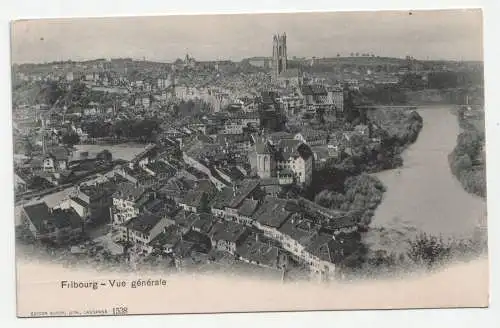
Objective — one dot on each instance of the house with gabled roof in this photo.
(260, 253)
(227, 236)
(56, 225)
(125, 201)
(232, 201)
(56, 159)
(271, 215)
(312, 137)
(144, 228)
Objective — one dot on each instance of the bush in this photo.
(428, 250)
(431, 251)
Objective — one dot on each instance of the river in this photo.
(423, 195)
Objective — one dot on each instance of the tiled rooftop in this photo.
(272, 212)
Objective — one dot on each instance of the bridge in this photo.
(368, 107)
(415, 107)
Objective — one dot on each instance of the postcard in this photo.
(249, 162)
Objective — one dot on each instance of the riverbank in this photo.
(468, 158)
(347, 185)
(422, 196)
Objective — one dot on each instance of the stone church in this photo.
(281, 73)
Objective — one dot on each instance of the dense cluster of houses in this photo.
(211, 183)
(57, 165)
(158, 206)
(237, 218)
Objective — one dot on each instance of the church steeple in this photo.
(279, 55)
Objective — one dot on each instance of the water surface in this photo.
(423, 195)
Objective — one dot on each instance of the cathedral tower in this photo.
(279, 55)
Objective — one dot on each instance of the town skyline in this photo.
(431, 35)
(277, 169)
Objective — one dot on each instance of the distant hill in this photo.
(361, 60)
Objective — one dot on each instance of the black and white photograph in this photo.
(249, 162)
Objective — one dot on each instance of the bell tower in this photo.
(279, 61)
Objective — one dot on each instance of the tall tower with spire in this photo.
(279, 61)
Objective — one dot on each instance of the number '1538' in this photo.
(121, 310)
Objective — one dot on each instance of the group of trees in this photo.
(97, 129)
(49, 93)
(451, 79)
(440, 80)
(70, 139)
(386, 95)
(361, 194)
(144, 130)
(396, 131)
(80, 96)
(73, 95)
(366, 156)
(385, 155)
(451, 86)
(357, 54)
(466, 164)
(405, 126)
(413, 81)
(424, 251)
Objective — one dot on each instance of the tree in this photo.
(50, 93)
(330, 199)
(105, 155)
(70, 139)
(97, 129)
(204, 203)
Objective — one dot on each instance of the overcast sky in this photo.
(455, 35)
